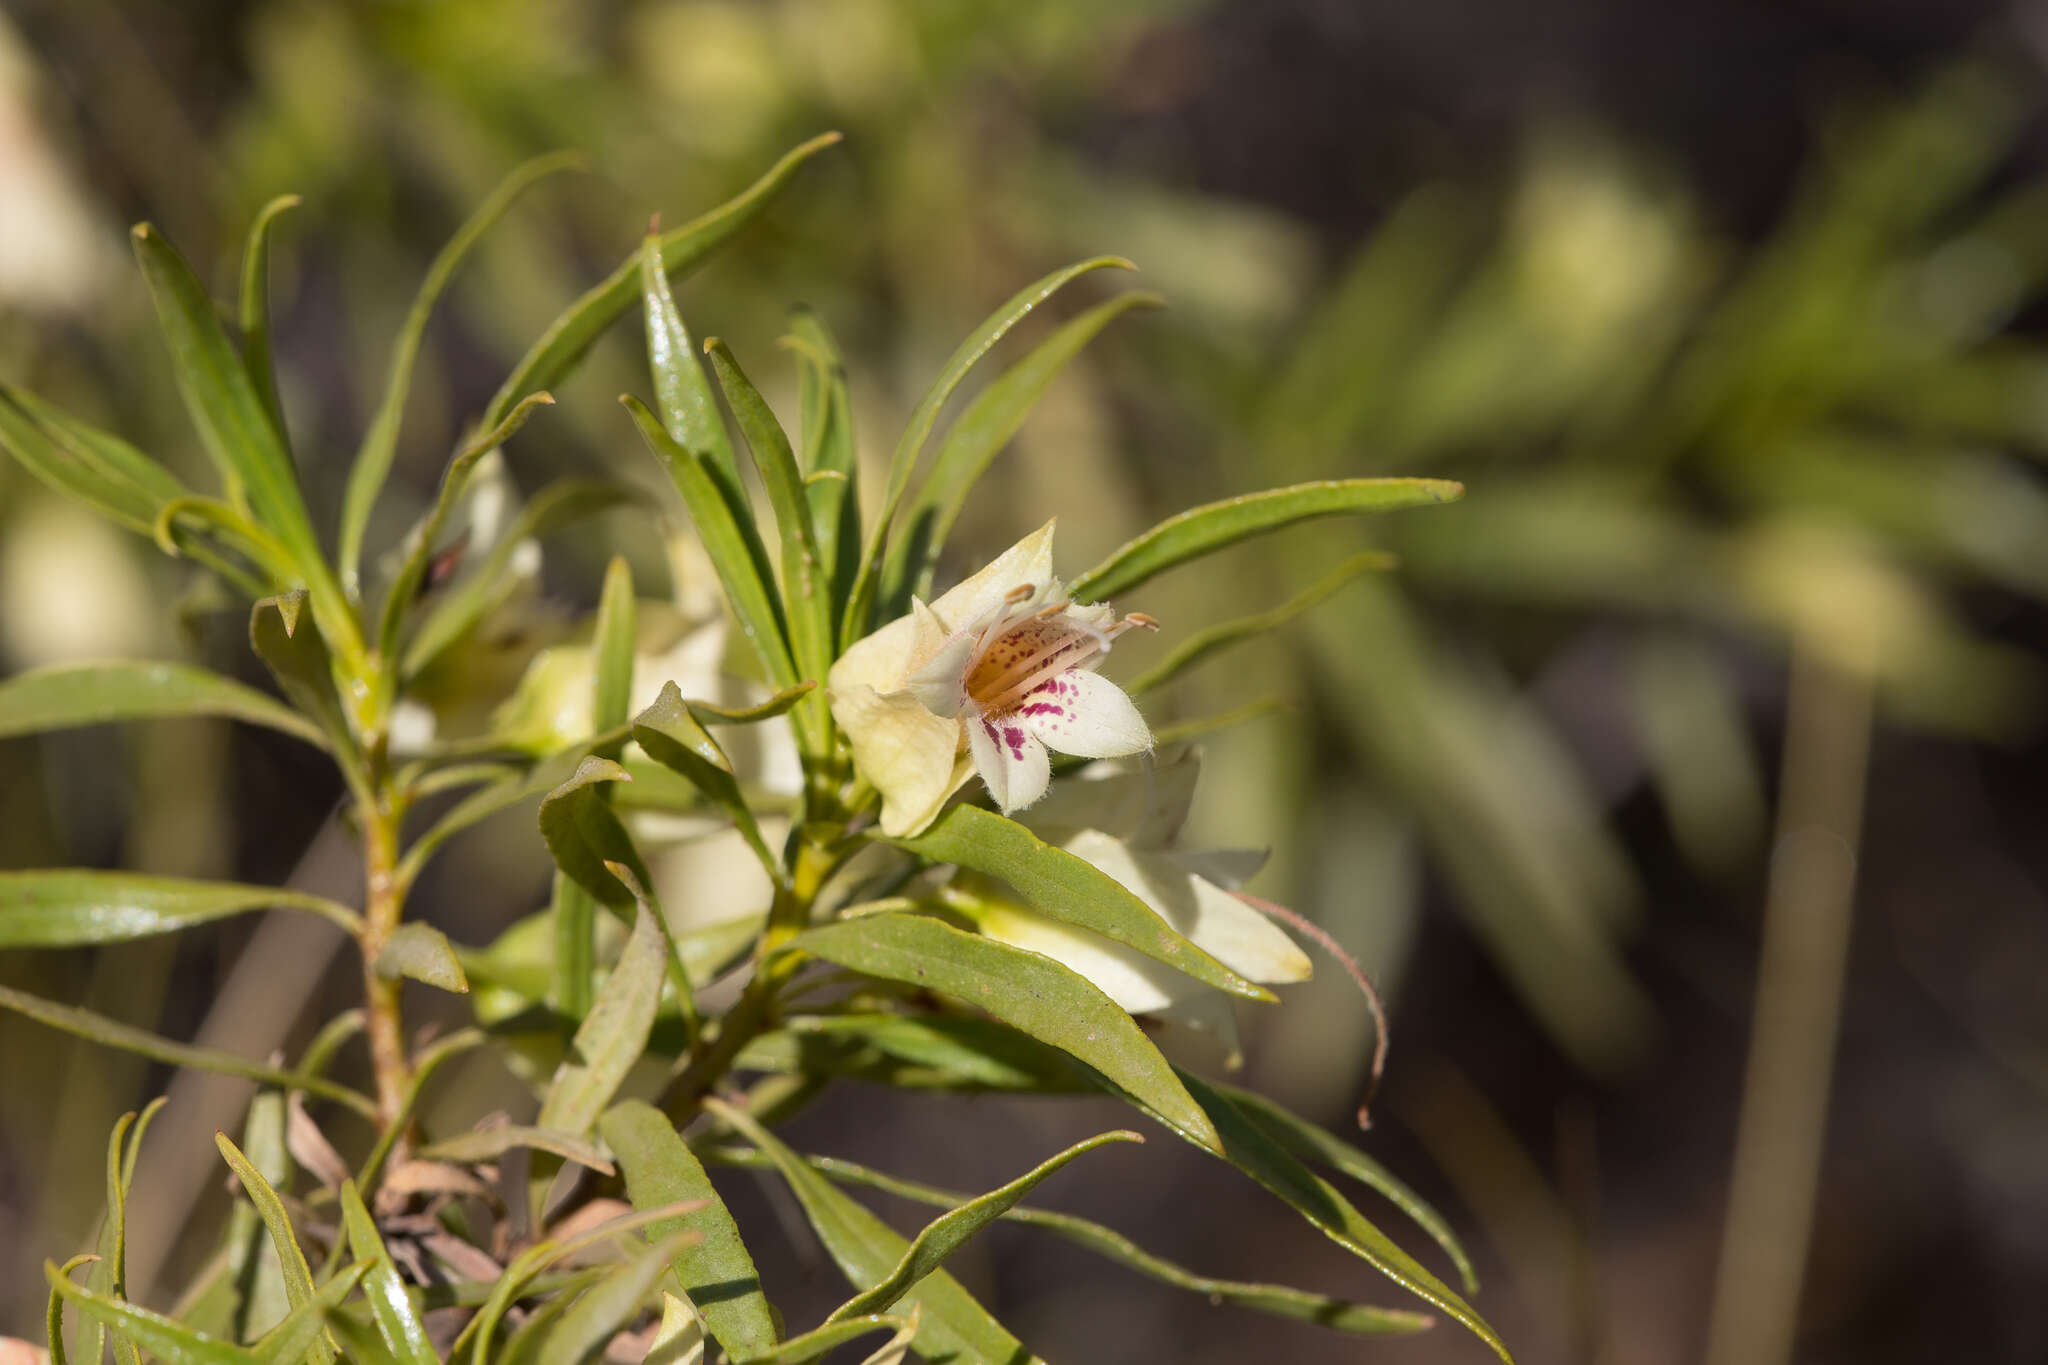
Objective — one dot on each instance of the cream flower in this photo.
(986, 679)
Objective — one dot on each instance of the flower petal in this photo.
(910, 755)
(1010, 760)
(1029, 561)
(882, 659)
(1085, 714)
(1211, 918)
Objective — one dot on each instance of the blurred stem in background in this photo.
(1798, 1013)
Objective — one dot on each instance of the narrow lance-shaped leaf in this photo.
(811, 1345)
(255, 312)
(107, 1032)
(660, 1170)
(154, 1332)
(952, 1326)
(98, 469)
(806, 594)
(682, 392)
(1278, 1300)
(53, 1322)
(258, 1297)
(1312, 1143)
(1033, 994)
(405, 1336)
(1065, 887)
(1249, 1147)
(938, 1051)
(979, 435)
(830, 461)
(613, 1034)
(303, 1335)
(551, 357)
(1211, 640)
(951, 1230)
(380, 443)
(491, 1143)
(584, 834)
(298, 1276)
(574, 910)
(70, 907)
(904, 461)
(236, 427)
(1206, 529)
(732, 544)
(60, 696)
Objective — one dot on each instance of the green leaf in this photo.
(724, 521)
(256, 1295)
(68, 907)
(1278, 1300)
(616, 637)
(271, 564)
(682, 393)
(613, 1034)
(53, 1321)
(373, 459)
(584, 834)
(952, 1326)
(455, 611)
(1248, 1146)
(419, 550)
(555, 354)
(670, 733)
(298, 659)
(1310, 1142)
(398, 1322)
(96, 468)
(237, 429)
(1213, 639)
(830, 463)
(492, 1143)
(303, 1333)
(979, 435)
(806, 595)
(155, 1333)
(1206, 529)
(100, 1029)
(421, 952)
(718, 1272)
(1031, 993)
(298, 1276)
(939, 1051)
(59, 696)
(951, 1230)
(255, 314)
(607, 1306)
(926, 415)
(710, 713)
(819, 1340)
(1067, 888)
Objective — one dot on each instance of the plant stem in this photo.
(382, 912)
(1798, 1012)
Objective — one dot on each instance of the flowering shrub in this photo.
(913, 936)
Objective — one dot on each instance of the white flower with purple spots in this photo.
(988, 679)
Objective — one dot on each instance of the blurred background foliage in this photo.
(1728, 317)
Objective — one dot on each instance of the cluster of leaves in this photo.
(548, 1241)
